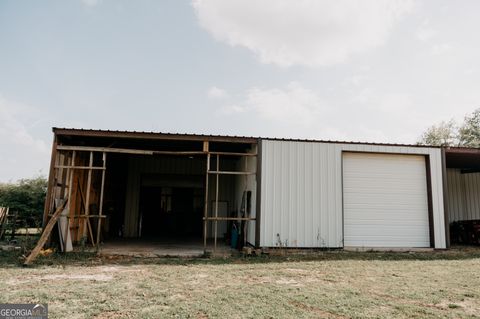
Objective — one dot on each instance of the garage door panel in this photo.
(392, 243)
(385, 200)
(359, 220)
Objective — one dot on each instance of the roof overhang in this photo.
(152, 135)
(467, 159)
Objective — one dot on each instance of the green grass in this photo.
(332, 284)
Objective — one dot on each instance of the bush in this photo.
(26, 197)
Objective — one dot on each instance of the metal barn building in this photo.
(119, 186)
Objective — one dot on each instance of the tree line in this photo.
(451, 133)
(25, 197)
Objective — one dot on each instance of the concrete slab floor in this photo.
(160, 248)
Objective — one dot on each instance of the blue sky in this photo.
(381, 70)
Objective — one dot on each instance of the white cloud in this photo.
(293, 104)
(364, 114)
(426, 32)
(305, 32)
(24, 155)
(216, 93)
(439, 49)
(91, 3)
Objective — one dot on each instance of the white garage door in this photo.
(385, 200)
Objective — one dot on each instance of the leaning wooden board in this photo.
(45, 234)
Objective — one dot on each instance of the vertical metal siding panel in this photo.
(273, 218)
(468, 195)
(464, 178)
(460, 196)
(437, 198)
(298, 180)
(476, 213)
(278, 200)
(276, 217)
(316, 210)
(464, 212)
(462, 205)
(332, 207)
(266, 221)
(289, 212)
(296, 215)
(301, 211)
(308, 197)
(471, 186)
(299, 222)
(436, 212)
(338, 234)
(452, 193)
(475, 199)
(323, 218)
(435, 208)
(467, 188)
(438, 208)
(455, 194)
(308, 234)
(280, 182)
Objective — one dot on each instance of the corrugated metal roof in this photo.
(95, 132)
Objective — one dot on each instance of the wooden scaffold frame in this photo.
(216, 173)
(65, 172)
(60, 197)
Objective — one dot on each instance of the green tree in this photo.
(469, 131)
(442, 134)
(26, 197)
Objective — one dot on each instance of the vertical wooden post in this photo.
(86, 221)
(51, 180)
(245, 228)
(100, 208)
(70, 174)
(69, 177)
(205, 212)
(52, 187)
(71, 203)
(53, 193)
(66, 159)
(216, 204)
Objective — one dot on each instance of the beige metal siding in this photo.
(463, 195)
(385, 200)
(302, 205)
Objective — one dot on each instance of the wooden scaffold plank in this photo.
(46, 234)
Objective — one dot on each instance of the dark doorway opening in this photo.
(170, 212)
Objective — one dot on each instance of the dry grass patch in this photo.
(343, 287)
